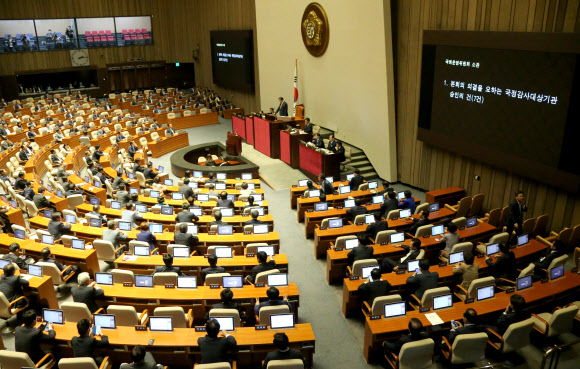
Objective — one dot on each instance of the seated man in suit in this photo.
(123, 194)
(254, 219)
(211, 191)
(218, 219)
(28, 338)
(85, 345)
(376, 227)
(263, 265)
(129, 215)
(11, 285)
(424, 220)
(416, 333)
(87, 293)
(41, 201)
(168, 268)
(515, 312)
(423, 280)
(170, 131)
(138, 167)
(185, 189)
(28, 192)
(331, 143)
(57, 228)
(186, 216)
(468, 326)
(141, 360)
(318, 142)
(213, 268)
(119, 182)
(389, 204)
(389, 265)
(408, 202)
(215, 349)
(224, 202)
(556, 250)
(16, 256)
(502, 266)
(227, 297)
(45, 257)
(468, 270)
(149, 173)
(374, 287)
(182, 237)
(356, 181)
(360, 252)
(357, 209)
(98, 153)
(273, 300)
(284, 352)
(114, 236)
(450, 238)
(325, 186)
(307, 126)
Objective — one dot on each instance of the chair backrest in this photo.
(466, 247)
(469, 348)
(421, 254)
(105, 250)
(285, 364)
(124, 315)
(476, 204)
(141, 178)
(75, 311)
(417, 354)
(423, 231)
(220, 365)
(500, 237)
(460, 222)
(379, 303)
(176, 313)
(51, 270)
(541, 225)
(359, 219)
(74, 201)
(562, 321)
(363, 187)
(252, 248)
(340, 241)
(5, 311)
(427, 299)
(384, 236)
(359, 264)
(575, 237)
(325, 221)
(121, 275)
(478, 283)
(463, 207)
(15, 360)
(529, 270)
(160, 279)
(421, 207)
(213, 313)
(215, 278)
(266, 311)
(504, 213)
(263, 276)
(132, 244)
(529, 225)
(517, 335)
(77, 363)
(393, 214)
(559, 261)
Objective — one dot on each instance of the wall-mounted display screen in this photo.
(18, 35)
(232, 59)
(56, 34)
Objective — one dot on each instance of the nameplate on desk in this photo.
(340, 207)
(443, 264)
(354, 277)
(250, 255)
(37, 240)
(211, 233)
(140, 327)
(260, 285)
(469, 301)
(510, 290)
(247, 232)
(461, 228)
(127, 284)
(427, 236)
(261, 327)
(545, 280)
(359, 223)
(338, 249)
(385, 243)
(302, 197)
(375, 317)
(513, 246)
(245, 215)
(206, 255)
(322, 228)
(369, 203)
(401, 271)
(169, 285)
(294, 186)
(423, 310)
(214, 286)
(200, 329)
(310, 210)
(479, 256)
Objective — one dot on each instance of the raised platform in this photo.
(186, 159)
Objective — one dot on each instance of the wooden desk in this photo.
(296, 192)
(312, 163)
(376, 331)
(44, 288)
(289, 151)
(89, 189)
(168, 144)
(196, 120)
(351, 299)
(449, 195)
(322, 238)
(179, 348)
(229, 113)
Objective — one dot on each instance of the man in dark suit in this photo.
(149, 173)
(97, 154)
(56, 227)
(254, 219)
(224, 202)
(215, 349)
(20, 182)
(185, 189)
(227, 297)
(11, 285)
(218, 219)
(420, 282)
(515, 218)
(389, 204)
(308, 126)
(468, 326)
(28, 339)
(28, 192)
(119, 182)
(515, 312)
(132, 150)
(284, 352)
(46, 258)
(84, 345)
(141, 359)
(15, 255)
(168, 268)
(23, 155)
(502, 266)
(213, 268)
(185, 216)
(282, 108)
(331, 143)
(357, 209)
(424, 220)
(416, 333)
(408, 202)
(273, 300)
(123, 195)
(340, 152)
(138, 167)
(325, 186)
(389, 265)
(184, 238)
(374, 287)
(263, 266)
(87, 293)
(360, 252)
(170, 131)
(40, 201)
(356, 181)
(376, 227)
(318, 142)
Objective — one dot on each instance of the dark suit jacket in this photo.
(16, 260)
(472, 328)
(327, 188)
(360, 253)
(87, 295)
(388, 205)
(166, 269)
(211, 270)
(253, 221)
(371, 290)
(515, 215)
(504, 266)
(422, 282)
(545, 263)
(395, 347)
(85, 346)
(319, 143)
(11, 287)
(356, 210)
(308, 128)
(283, 109)
(40, 201)
(418, 223)
(28, 193)
(186, 216)
(186, 191)
(282, 355)
(506, 319)
(22, 156)
(331, 145)
(340, 153)
(186, 239)
(148, 173)
(28, 340)
(355, 182)
(57, 228)
(225, 203)
(374, 228)
(215, 350)
(262, 267)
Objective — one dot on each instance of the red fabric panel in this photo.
(310, 160)
(249, 131)
(262, 135)
(239, 126)
(285, 147)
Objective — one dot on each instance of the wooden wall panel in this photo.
(430, 168)
(178, 27)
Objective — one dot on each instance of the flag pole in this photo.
(295, 85)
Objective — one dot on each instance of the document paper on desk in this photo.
(434, 319)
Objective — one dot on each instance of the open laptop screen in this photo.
(437, 230)
(455, 257)
(221, 176)
(177, 196)
(378, 199)
(47, 239)
(397, 237)
(313, 193)
(524, 282)
(335, 223)
(225, 229)
(143, 281)
(168, 182)
(202, 197)
(281, 321)
(104, 278)
(278, 279)
(348, 203)
(53, 316)
(226, 322)
(78, 244)
(181, 252)
(321, 206)
(192, 229)
(106, 321)
(484, 293)
(405, 213)
(366, 271)
(523, 239)
(160, 324)
(141, 208)
(125, 226)
(155, 228)
(167, 210)
(492, 249)
(471, 222)
(442, 302)
(369, 219)
(234, 281)
(269, 250)
(351, 243)
(246, 176)
(70, 218)
(35, 270)
(115, 205)
(401, 195)
(186, 282)
(344, 189)
(303, 183)
(153, 194)
(556, 272)
(20, 234)
(261, 229)
(433, 207)
(412, 266)
(373, 185)
(227, 212)
(396, 309)
(141, 250)
(220, 186)
(224, 252)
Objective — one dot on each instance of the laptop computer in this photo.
(246, 176)
(401, 195)
(433, 207)
(20, 234)
(192, 229)
(153, 194)
(366, 271)
(321, 206)
(225, 229)
(349, 203)
(202, 197)
(227, 212)
(3, 263)
(53, 315)
(344, 189)
(226, 323)
(232, 197)
(180, 252)
(95, 201)
(397, 237)
(395, 309)
(177, 196)
(523, 239)
(471, 222)
(455, 257)
(221, 176)
(269, 250)
(281, 321)
(106, 321)
(116, 205)
(168, 182)
(373, 185)
(124, 226)
(160, 169)
(70, 218)
(312, 193)
(251, 186)
(48, 213)
(104, 278)
(186, 282)
(351, 243)
(141, 208)
(233, 281)
(143, 281)
(556, 272)
(404, 213)
(133, 190)
(303, 183)
(155, 228)
(167, 210)
(369, 219)
(197, 174)
(492, 249)
(224, 252)
(484, 293)
(141, 250)
(437, 230)
(278, 279)
(47, 239)
(98, 184)
(329, 179)
(261, 229)
(78, 244)
(160, 323)
(378, 199)
(97, 223)
(442, 302)
(412, 266)
(334, 223)
(35, 270)
(524, 282)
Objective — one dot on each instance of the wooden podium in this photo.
(233, 144)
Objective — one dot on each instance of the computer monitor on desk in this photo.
(160, 324)
(442, 302)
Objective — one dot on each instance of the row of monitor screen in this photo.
(201, 197)
(234, 281)
(196, 175)
(165, 324)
